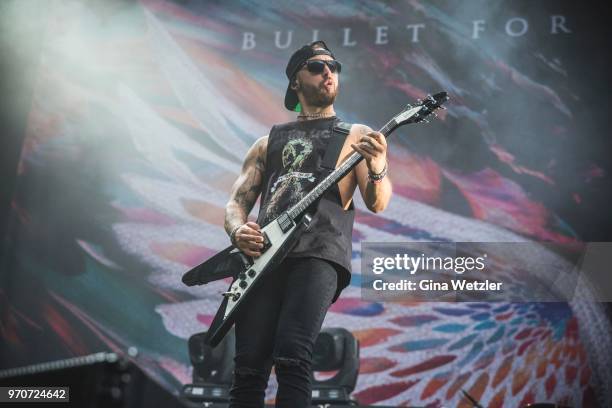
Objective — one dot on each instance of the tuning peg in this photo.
(442, 107)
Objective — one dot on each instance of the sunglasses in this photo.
(318, 66)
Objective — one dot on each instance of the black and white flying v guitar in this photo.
(282, 233)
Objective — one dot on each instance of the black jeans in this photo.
(279, 325)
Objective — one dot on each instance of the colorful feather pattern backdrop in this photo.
(143, 111)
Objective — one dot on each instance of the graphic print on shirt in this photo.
(290, 187)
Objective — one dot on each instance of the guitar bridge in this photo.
(266, 244)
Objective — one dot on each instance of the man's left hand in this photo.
(373, 147)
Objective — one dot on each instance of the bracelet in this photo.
(232, 235)
(377, 178)
(380, 175)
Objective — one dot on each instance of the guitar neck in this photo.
(334, 176)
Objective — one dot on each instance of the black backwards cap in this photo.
(296, 60)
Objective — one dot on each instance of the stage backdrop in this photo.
(143, 111)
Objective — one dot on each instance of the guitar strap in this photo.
(339, 133)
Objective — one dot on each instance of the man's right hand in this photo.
(249, 239)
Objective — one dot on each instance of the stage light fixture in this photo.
(336, 349)
(212, 369)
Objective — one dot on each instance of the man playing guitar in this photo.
(280, 322)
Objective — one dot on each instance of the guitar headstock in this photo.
(423, 108)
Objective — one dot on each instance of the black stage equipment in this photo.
(101, 380)
(212, 368)
(336, 349)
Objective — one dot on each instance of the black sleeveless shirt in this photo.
(293, 167)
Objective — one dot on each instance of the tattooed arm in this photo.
(246, 235)
(373, 147)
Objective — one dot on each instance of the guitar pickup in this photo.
(285, 222)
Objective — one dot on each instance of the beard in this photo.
(318, 95)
